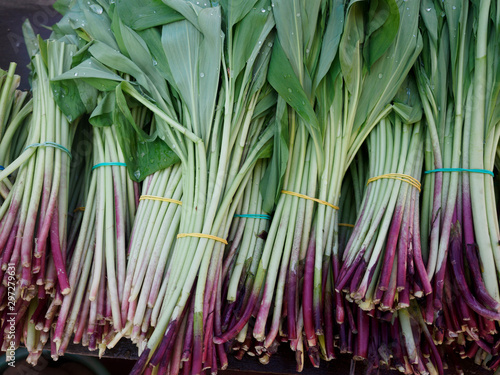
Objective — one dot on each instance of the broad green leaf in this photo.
(92, 69)
(388, 73)
(98, 24)
(266, 102)
(209, 65)
(188, 9)
(63, 6)
(235, 10)
(104, 112)
(272, 181)
(144, 154)
(117, 61)
(144, 14)
(282, 77)
(330, 40)
(152, 38)
(381, 30)
(139, 54)
(351, 44)
(30, 39)
(430, 19)
(407, 102)
(287, 15)
(67, 97)
(248, 33)
(310, 21)
(194, 59)
(261, 65)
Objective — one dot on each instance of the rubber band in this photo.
(111, 163)
(485, 171)
(254, 216)
(310, 198)
(79, 209)
(50, 144)
(2, 167)
(161, 199)
(346, 225)
(398, 176)
(202, 235)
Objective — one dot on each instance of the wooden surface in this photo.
(39, 12)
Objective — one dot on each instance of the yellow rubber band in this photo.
(161, 199)
(346, 225)
(79, 209)
(398, 176)
(310, 198)
(201, 235)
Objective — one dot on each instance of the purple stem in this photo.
(308, 291)
(390, 247)
(55, 247)
(456, 261)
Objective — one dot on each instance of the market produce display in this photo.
(225, 178)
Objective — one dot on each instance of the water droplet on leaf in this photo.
(97, 9)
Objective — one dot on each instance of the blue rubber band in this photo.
(485, 171)
(50, 144)
(252, 216)
(2, 167)
(108, 164)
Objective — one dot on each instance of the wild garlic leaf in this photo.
(237, 10)
(272, 181)
(387, 74)
(144, 14)
(144, 154)
(382, 28)
(282, 77)
(331, 40)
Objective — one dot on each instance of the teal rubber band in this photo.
(2, 167)
(50, 144)
(485, 171)
(111, 163)
(252, 216)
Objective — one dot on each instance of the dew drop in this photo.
(76, 74)
(137, 174)
(289, 89)
(380, 75)
(202, 75)
(428, 9)
(454, 7)
(97, 9)
(155, 62)
(263, 10)
(269, 44)
(298, 14)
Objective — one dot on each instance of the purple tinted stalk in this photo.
(188, 340)
(9, 248)
(403, 243)
(307, 292)
(55, 246)
(417, 253)
(387, 301)
(456, 261)
(251, 304)
(363, 336)
(480, 288)
(392, 241)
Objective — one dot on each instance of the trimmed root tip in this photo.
(66, 291)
